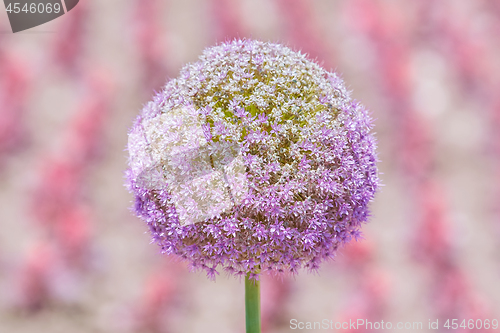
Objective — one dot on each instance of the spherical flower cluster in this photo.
(254, 159)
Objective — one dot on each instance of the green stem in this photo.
(252, 305)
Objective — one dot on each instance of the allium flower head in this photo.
(254, 158)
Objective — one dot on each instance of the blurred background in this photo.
(74, 259)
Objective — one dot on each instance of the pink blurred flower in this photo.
(14, 84)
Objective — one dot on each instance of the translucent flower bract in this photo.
(254, 158)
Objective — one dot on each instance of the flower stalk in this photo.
(252, 305)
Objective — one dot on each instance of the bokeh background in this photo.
(74, 259)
